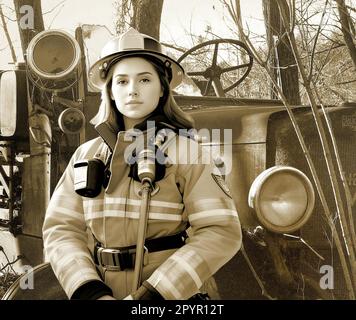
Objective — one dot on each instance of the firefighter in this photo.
(90, 228)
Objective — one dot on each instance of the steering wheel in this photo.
(215, 71)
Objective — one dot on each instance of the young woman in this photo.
(90, 238)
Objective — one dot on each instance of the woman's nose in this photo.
(133, 92)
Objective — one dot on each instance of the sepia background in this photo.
(288, 97)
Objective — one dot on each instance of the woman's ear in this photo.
(110, 94)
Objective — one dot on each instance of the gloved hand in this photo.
(145, 292)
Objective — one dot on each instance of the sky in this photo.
(179, 17)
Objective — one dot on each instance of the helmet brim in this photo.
(98, 82)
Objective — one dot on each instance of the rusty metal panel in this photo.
(90, 108)
(36, 193)
(248, 124)
(244, 163)
(284, 148)
(248, 162)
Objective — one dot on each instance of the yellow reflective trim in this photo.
(166, 204)
(191, 271)
(90, 203)
(160, 281)
(131, 215)
(68, 212)
(134, 202)
(69, 278)
(209, 204)
(211, 213)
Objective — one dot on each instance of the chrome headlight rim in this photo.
(43, 36)
(255, 196)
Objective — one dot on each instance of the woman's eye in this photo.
(121, 82)
(145, 80)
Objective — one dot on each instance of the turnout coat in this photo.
(188, 195)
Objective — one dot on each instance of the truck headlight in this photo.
(283, 198)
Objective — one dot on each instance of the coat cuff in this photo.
(91, 290)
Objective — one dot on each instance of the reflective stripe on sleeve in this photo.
(184, 269)
(52, 209)
(209, 204)
(164, 286)
(57, 249)
(72, 280)
(212, 214)
(189, 269)
(63, 261)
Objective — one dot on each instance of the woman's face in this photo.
(136, 87)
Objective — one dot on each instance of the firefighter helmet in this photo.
(132, 43)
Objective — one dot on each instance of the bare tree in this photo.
(280, 53)
(6, 31)
(147, 16)
(123, 15)
(143, 15)
(346, 24)
(26, 34)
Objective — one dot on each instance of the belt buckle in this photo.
(109, 258)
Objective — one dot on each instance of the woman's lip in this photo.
(134, 102)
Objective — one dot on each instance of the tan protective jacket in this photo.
(188, 193)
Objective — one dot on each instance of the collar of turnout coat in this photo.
(109, 134)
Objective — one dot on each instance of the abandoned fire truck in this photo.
(45, 108)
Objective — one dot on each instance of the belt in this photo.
(119, 259)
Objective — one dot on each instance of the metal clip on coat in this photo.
(146, 166)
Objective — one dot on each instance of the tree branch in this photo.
(180, 49)
(316, 41)
(7, 35)
(345, 27)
